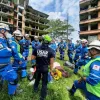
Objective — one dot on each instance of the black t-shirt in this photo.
(43, 55)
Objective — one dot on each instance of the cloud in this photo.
(39, 4)
(56, 15)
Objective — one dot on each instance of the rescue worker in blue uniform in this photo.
(53, 46)
(35, 44)
(61, 47)
(71, 48)
(6, 70)
(19, 65)
(44, 56)
(25, 43)
(78, 48)
(83, 58)
(90, 81)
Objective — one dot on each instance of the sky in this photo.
(58, 9)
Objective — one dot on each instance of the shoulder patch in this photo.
(96, 67)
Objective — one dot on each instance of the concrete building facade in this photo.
(19, 15)
(90, 19)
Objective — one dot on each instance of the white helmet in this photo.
(4, 26)
(95, 44)
(17, 33)
(84, 41)
(26, 35)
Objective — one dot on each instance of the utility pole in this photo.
(67, 24)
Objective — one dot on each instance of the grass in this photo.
(56, 90)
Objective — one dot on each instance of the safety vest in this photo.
(18, 49)
(92, 89)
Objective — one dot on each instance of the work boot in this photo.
(70, 91)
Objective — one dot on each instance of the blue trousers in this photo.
(22, 67)
(25, 53)
(70, 55)
(7, 73)
(62, 52)
(82, 86)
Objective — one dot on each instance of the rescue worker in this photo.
(78, 48)
(61, 47)
(6, 70)
(90, 82)
(25, 43)
(83, 58)
(19, 67)
(53, 46)
(35, 42)
(44, 56)
(70, 50)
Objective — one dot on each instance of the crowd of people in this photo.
(14, 52)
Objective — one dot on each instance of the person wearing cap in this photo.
(6, 70)
(61, 47)
(25, 43)
(71, 48)
(90, 81)
(78, 48)
(83, 58)
(44, 57)
(19, 64)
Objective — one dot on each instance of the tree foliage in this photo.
(58, 28)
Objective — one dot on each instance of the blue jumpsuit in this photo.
(6, 70)
(93, 79)
(70, 51)
(25, 44)
(78, 52)
(83, 59)
(35, 44)
(17, 58)
(53, 46)
(61, 50)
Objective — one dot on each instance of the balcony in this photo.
(84, 1)
(36, 23)
(6, 14)
(90, 20)
(11, 5)
(35, 17)
(91, 32)
(90, 10)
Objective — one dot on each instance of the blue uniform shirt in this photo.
(5, 52)
(84, 53)
(53, 46)
(35, 44)
(71, 47)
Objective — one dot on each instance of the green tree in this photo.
(59, 28)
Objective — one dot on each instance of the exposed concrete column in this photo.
(99, 36)
(99, 25)
(99, 3)
(98, 13)
(89, 6)
(89, 27)
(89, 16)
(23, 22)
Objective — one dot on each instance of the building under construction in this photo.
(19, 15)
(90, 19)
